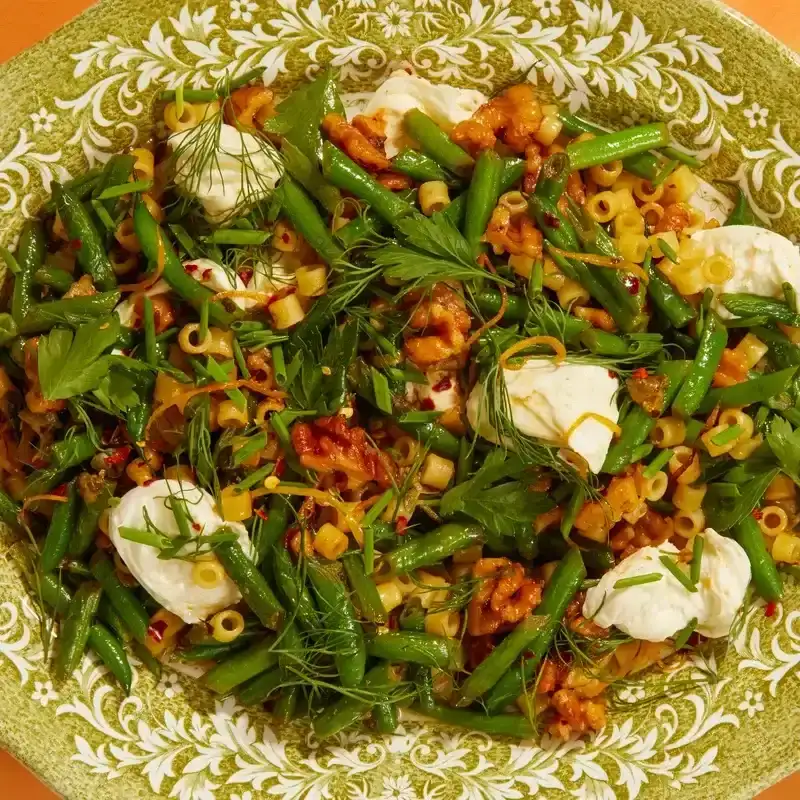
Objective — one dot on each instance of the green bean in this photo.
(108, 614)
(437, 144)
(73, 450)
(61, 523)
(433, 436)
(598, 558)
(553, 178)
(514, 725)
(75, 629)
(366, 594)
(91, 250)
(86, 525)
(638, 423)
(285, 706)
(241, 666)
(605, 148)
(339, 619)
(72, 311)
(219, 651)
(156, 247)
(252, 584)
(112, 654)
(53, 592)
(124, 601)
(417, 648)
(293, 590)
(385, 717)
(666, 298)
(421, 167)
(433, 547)
(782, 352)
(224, 86)
(558, 593)
(30, 255)
(466, 458)
(757, 390)
(754, 305)
(258, 689)
(604, 343)
(766, 577)
(347, 175)
(43, 480)
(697, 382)
(273, 528)
(741, 214)
(116, 172)
(81, 186)
(53, 277)
(349, 709)
(488, 302)
(358, 230)
(305, 218)
(482, 195)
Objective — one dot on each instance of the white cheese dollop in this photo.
(547, 398)
(169, 581)
(763, 260)
(436, 389)
(243, 169)
(401, 92)
(126, 310)
(657, 611)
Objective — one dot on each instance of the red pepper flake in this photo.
(272, 298)
(207, 274)
(38, 462)
(393, 623)
(246, 274)
(280, 467)
(611, 373)
(631, 283)
(640, 374)
(552, 221)
(770, 608)
(75, 244)
(427, 404)
(190, 268)
(757, 513)
(119, 456)
(157, 629)
(443, 385)
(60, 491)
(401, 525)
(262, 514)
(196, 526)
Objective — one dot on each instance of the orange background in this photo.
(26, 21)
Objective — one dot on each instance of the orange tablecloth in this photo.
(26, 21)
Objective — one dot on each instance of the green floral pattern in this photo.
(723, 726)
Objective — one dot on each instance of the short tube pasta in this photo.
(668, 432)
(689, 523)
(773, 520)
(208, 574)
(227, 626)
(187, 339)
(688, 497)
(437, 472)
(443, 623)
(603, 207)
(330, 542)
(229, 415)
(433, 196)
(606, 174)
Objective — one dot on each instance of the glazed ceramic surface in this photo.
(720, 726)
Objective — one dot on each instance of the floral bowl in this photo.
(722, 726)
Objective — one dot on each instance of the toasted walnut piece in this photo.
(353, 142)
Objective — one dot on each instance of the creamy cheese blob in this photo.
(401, 92)
(763, 260)
(243, 169)
(657, 611)
(169, 581)
(440, 392)
(547, 399)
(126, 310)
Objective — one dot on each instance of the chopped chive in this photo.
(383, 343)
(217, 372)
(11, 262)
(184, 240)
(655, 466)
(378, 507)
(571, 511)
(727, 436)
(179, 100)
(254, 478)
(177, 506)
(233, 236)
(668, 252)
(642, 451)
(202, 331)
(142, 536)
(684, 158)
(102, 214)
(664, 172)
(678, 573)
(125, 188)
(697, 557)
(238, 356)
(464, 464)
(150, 349)
(278, 365)
(383, 397)
(638, 580)
(251, 447)
(682, 637)
(536, 279)
(420, 417)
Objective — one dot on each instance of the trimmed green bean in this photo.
(488, 302)
(91, 249)
(273, 528)
(156, 247)
(756, 390)
(385, 717)
(54, 278)
(58, 533)
(437, 144)
(124, 601)
(111, 653)
(258, 689)
(514, 725)
(782, 352)
(753, 305)
(666, 297)
(86, 525)
(766, 577)
(553, 178)
(366, 594)
(709, 353)
(421, 167)
(339, 619)
(242, 666)
(605, 148)
(482, 195)
(558, 593)
(417, 648)
(305, 218)
(30, 256)
(347, 175)
(433, 436)
(75, 629)
(53, 592)
(72, 451)
(252, 584)
(293, 590)
(108, 615)
(741, 214)
(116, 172)
(286, 705)
(72, 311)
(433, 547)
